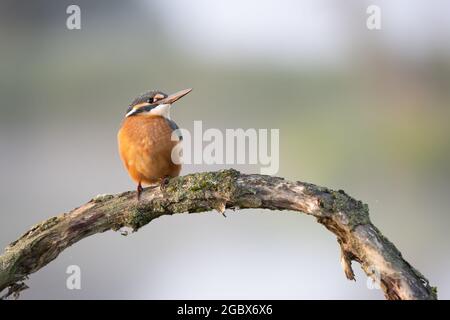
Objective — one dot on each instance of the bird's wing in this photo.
(175, 128)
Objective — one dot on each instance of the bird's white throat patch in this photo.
(161, 110)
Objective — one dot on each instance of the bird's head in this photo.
(154, 103)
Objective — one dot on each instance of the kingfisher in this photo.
(146, 139)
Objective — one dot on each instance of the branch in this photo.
(346, 217)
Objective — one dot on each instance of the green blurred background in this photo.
(359, 110)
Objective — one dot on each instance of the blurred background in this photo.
(359, 110)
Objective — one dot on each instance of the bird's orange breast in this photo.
(145, 146)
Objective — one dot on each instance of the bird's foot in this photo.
(139, 190)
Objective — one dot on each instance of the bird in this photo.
(145, 139)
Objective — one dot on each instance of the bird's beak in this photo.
(174, 97)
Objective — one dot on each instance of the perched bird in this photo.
(145, 139)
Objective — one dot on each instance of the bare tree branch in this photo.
(346, 217)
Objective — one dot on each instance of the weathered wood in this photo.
(346, 217)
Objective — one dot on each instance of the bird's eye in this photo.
(129, 109)
(150, 100)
